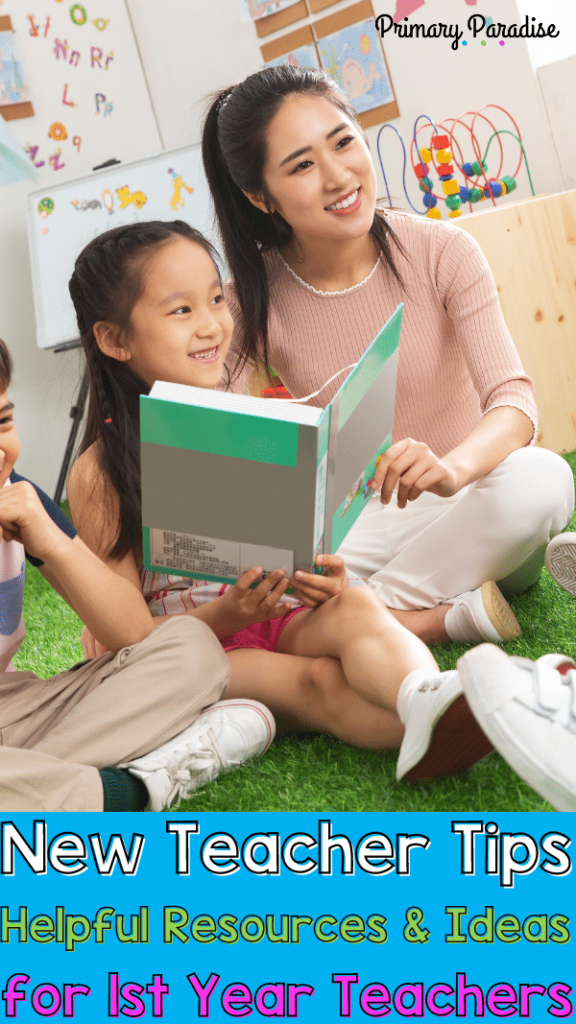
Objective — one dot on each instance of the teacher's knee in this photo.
(537, 485)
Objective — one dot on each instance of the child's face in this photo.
(9, 443)
(180, 327)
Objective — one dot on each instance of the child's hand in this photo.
(23, 519)
(243, 606)
(313, 590)
(92, 648)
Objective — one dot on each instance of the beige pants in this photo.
(56, 733)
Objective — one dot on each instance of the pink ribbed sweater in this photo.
(457, 359)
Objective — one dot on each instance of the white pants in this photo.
(437, 548)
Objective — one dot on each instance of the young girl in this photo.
(150, 306)
(317, 270)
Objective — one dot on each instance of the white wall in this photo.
(563, 14)
(191, 47)
(558, 85)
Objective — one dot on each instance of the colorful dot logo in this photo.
(489, 21)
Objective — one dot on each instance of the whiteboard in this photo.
(62, 219)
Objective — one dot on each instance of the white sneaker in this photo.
(528, 709)
(442, 736)
(224, 735)
(561, 561)
(482, 614)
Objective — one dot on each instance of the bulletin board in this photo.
(63, 219)
(347, 46)
(87, 95)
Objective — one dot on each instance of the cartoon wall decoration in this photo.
(57, 131)
(177, 201)
(14, 90)
(86, 204)
(45, 206)
(126, 197)
(351, 52)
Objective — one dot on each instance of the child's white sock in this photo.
(407, 687)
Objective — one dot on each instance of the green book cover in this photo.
(231, 481)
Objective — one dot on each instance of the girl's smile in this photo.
(207, 356)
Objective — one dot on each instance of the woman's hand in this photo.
(92, 648)
(242, 605)
(413, 468)
(312, 590)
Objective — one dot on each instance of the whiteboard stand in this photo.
(76, 415)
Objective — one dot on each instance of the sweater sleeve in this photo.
(468, 290)
(55, 513)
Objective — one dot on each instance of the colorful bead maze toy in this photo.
(443, 155)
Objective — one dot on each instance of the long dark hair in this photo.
(234, 154)
(105, 285)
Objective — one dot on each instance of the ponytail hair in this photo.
(234, 155)
(105, 285)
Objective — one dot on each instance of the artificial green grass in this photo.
(319, 773)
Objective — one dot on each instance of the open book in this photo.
(232, 481)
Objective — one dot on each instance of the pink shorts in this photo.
(262, 636)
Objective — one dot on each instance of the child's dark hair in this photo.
(6, 367)
(234, 154)
(105, 285)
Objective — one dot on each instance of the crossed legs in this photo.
(338, 670)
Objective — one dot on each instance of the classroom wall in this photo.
(189, 48)
(558, 85)
(563, 14)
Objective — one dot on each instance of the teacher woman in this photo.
(464, 500)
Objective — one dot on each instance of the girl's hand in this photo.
(243, 606)
(313, 590)
(412, 467)
(92, 648)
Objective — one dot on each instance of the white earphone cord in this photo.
(325, 385)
